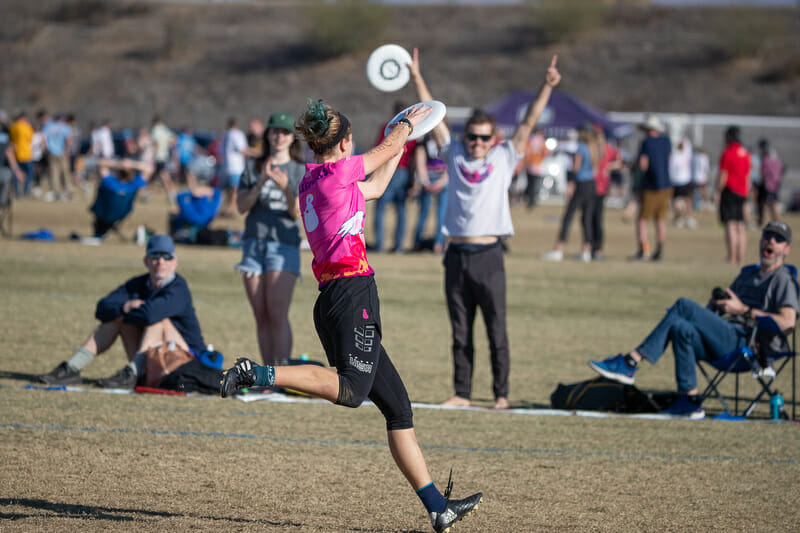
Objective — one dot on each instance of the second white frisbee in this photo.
(428, 123)
(387, 68)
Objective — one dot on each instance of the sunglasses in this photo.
(472, 137)
(767, 235)
(161, 255)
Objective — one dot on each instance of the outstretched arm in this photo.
(393, 143)
(440, 132)
(374, 186)
(524, 129)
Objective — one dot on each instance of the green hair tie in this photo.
(319, 120)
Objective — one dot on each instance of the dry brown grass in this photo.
(96, 462)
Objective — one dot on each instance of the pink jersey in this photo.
(333, 216)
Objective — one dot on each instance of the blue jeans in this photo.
(395, 193)
(424, 206)
(697, 333)
(28, 169)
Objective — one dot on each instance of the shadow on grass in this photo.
(115, 514)
(5, 374)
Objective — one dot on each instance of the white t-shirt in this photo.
(163, 138)
(680, 165)
(233, 145)
(701, 168)
(102, 143)
(477, 201)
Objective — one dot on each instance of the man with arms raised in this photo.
(478, 217)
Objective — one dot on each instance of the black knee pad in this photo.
(347, 396)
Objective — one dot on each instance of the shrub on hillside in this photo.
(95, 12)
(565, 20)
(343, 27)
(744, 32)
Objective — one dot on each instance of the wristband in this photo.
(407, 122)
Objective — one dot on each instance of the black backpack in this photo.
(601, 394)
(193, 376)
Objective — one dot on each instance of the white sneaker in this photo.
(691, 223)
(552, 255)
(586, 257)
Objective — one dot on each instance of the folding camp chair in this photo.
(753, 358)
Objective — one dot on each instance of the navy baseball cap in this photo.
(160, 244)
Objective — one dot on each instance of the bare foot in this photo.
(501, 403)
(456, 401)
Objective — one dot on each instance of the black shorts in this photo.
(347, 319)
(731, 206)
(682, 191)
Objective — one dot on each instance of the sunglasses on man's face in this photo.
(767, 235)
(161, 255)
(472, 137)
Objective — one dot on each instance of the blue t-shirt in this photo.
(56, 134)
(657, 150)
(115, 199)
(197, 210)
(585, 173)
(185, 148)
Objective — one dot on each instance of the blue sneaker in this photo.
(614, 368)
(686, 408)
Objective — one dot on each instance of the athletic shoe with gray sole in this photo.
(124, 379)
(242, 374)
(62, 375)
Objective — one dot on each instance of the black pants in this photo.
(583, 198)
(474, 276)
(348, 322)
(598, 233)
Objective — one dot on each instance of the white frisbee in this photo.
(387, 68)
(428, 123)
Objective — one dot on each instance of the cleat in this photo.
(614, 368)
(454, 510)
(241, 375)
(124, 379)
(63, 374)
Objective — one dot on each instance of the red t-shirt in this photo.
(735, 161)
(602, 179)
(408, 149)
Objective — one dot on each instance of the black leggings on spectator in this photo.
(583, 198)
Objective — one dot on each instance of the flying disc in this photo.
(387, 68)
(428, 123)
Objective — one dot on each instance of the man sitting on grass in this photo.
(696, 332)
(145, 311)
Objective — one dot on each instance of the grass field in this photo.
(99, 462)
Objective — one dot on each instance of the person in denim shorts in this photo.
(270, 262)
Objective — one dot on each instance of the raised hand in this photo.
(552, 77)
(413, 67)
(416, 114)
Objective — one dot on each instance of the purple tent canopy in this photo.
(563, 112)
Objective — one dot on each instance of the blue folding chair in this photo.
(765, 367)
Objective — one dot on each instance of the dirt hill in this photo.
(198, 63)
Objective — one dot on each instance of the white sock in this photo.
(80, 359)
